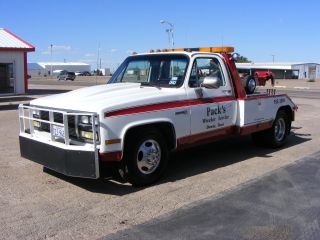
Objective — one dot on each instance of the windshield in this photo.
(153, 70)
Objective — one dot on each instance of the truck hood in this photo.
(109, 97)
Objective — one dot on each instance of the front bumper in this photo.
(75, 163)
(56, 144)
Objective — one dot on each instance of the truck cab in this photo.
(155, 103)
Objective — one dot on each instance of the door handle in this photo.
(182, 112)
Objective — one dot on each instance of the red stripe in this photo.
(256, 127)
(166, 105)
(205, 137)
(214, 135)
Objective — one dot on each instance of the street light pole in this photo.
(170, 31)
(98, 70)
(272, 58)
(51, 45)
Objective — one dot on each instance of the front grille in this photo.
(58, 118)
(74, 127)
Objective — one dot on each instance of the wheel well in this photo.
(165, 128)
(287, 109)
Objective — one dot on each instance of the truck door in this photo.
(213, 111)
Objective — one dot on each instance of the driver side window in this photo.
(205, 67)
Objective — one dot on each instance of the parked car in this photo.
(85, 73)
(263, 76)
(65, 75)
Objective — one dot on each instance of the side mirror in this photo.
(211, 83)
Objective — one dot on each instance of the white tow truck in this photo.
(154, 103)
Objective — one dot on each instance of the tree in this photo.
(243, 59)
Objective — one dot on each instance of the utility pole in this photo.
(51, 45)
(98, 59)
(272, 58)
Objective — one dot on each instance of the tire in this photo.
(276, 136)
(249, 87)
(136, 168)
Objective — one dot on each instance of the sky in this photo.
(289, 30)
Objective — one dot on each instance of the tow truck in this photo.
(155, 103)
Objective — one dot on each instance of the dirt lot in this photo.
(40, 205)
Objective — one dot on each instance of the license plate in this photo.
(58, 131)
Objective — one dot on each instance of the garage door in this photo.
(6, 78)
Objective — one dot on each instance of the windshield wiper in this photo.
(149, 84)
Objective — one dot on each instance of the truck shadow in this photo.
(15, 99)
(191, 162)
(221, 154)
(9, 107)
(32, 92)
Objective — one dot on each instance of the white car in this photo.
(154, 103)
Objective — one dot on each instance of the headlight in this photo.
(88, 120)
(85, 131)
(87, 135)
(36, 113)
(85, 119)
(36, 124)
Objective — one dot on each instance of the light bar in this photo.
(203, 49)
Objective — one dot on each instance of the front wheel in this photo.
(277, 135)
(145, 158)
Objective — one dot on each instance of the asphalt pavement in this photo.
(36, 204)
(283, 205)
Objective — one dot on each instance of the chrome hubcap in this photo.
(148, 156)
(280, 129)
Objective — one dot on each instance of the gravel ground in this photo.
(41, 205)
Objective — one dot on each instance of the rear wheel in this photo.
(275, 136)
(145, 158)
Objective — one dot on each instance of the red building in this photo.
(13, 63)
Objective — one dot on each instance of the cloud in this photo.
(45, 52)
(89, 61)
(60, 48)
(89, 55)
(56, 49)
(130, 51)
(113, 50)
